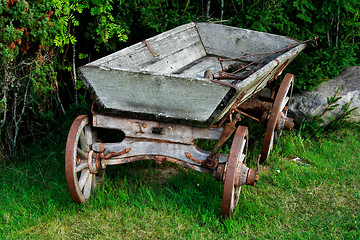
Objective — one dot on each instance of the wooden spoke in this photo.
(284, 103)
(83, 142)
(82, 155)
(81, 166)
(83, 177)
(242, 158)
(88, 185)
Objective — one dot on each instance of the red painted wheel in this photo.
(278, 115)
(232, 171)
(81, 179)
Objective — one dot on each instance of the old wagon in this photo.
(192, 82)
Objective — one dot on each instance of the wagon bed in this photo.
(163, 76)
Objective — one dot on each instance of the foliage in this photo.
(164, 14)
(28, 78)
(33, 34)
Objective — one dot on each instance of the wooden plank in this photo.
(144, 129)
(233, 42)
(172, 50)
(177, 60)
(198, 68)
(136, 47)
(141, 147)
(163, 95)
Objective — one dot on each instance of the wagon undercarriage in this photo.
(87, 158)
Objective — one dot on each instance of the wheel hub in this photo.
(94, 167)
(243, 175)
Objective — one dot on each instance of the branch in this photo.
(74, 68)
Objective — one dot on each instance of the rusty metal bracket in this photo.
(90, 165)
(189, 156)
(210, 163)
(232, 110)
(208, 74)
(226, 84)
(228, 130)
(248, 115)
(149, 47)
(281, 69)
(113, 154)
(253, 175)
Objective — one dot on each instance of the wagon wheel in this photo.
(81, 179)
(232, 171)
(278, 116)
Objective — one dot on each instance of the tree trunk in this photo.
(208, 8)
(74, 68)
(222, 10)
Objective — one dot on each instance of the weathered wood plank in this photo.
(233, 42)
(144, 129)
(172, 50)
(142, 147)
(198, 68)
(163, 95)
(177, 60)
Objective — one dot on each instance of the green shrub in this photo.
(34, 40)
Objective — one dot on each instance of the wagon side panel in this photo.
(234, 42)
(162, 54)
(167, 96)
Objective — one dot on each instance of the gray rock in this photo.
(308, 104)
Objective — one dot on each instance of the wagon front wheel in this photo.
(278, 119)
(233, 170)
(82, 168)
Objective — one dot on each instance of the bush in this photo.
(34, 40)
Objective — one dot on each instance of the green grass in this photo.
(315, 198)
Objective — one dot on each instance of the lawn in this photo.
(308, 189)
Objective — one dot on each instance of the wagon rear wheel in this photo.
(278, 116)
(83, 170)
(233, 170)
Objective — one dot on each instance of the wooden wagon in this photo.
(192, 82)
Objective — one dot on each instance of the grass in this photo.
(316, 197)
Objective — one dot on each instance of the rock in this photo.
(308, 104)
